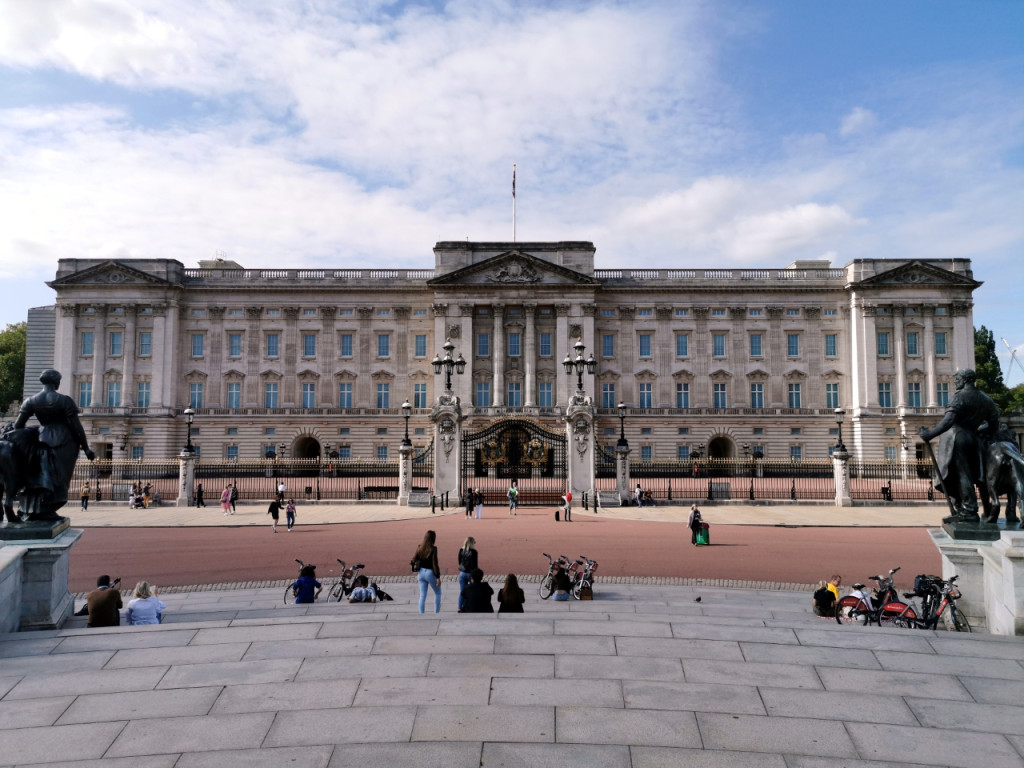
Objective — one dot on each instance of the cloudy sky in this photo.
(311, 132)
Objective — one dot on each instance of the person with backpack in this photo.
(694, 524)
(467, 564)
(513, 498)
(233, 497)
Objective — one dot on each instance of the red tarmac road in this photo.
(183, 556)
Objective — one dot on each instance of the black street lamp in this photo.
(406, 412)
(578, 365)
(190, 416)
(623, 443)
(840, 415)
(448, 364)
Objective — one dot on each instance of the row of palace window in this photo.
(884, 346)
(913, 394)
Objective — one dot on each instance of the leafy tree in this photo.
(986, 366)
(12, 363)
(1015, 399)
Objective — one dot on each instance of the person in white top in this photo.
(144, 607)
(363, 593)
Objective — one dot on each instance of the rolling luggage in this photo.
(704, 534)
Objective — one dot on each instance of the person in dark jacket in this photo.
(511, 597)
(477, 596)
(467, 564)
(104, 604)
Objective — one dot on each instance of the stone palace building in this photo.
(307, 361)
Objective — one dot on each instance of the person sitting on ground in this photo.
(561, 583)
(476, 598)
(363, 593)
(306, 588)
(103, 604)
(833, 585)
(511, 597)
(824, 602)
(145, 607)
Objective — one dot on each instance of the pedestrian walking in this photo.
(469, 502)
(513, 498)
(233, 498)
(281, 489)
(638, 495)
(289, 512)
(274, 510)
(478, 502)
(567, 508)
(694, 524)
(199, 496)
(85, 496)
(225, 500)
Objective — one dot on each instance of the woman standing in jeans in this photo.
(429, 572)
(467, 564)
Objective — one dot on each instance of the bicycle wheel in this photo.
(288, 594)
(576, 587)
(893, 610)
(907, 619)
(958, 620)
(851, 610)
(546, 587)
(336, 592)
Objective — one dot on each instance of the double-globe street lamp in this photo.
(406, 413)
(448, 364)
(623, 443)
(840, 414)
(190, 416)
(579, 365)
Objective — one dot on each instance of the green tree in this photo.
(1015, 399)
(12, 363)
(986, 366)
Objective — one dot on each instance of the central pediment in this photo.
(513, 268)
(916, 273)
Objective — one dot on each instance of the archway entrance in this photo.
(721, 448)
(306, 447)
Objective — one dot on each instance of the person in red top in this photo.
(568, 506)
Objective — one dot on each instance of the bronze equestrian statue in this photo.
(965, 432)
(38, 462)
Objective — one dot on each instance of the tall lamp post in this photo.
(840, 415)
(190, 416)
(406, 413)
(448, 364)
(746, 456)
(623, 443)
(579, 365)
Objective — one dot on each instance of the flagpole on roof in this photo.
(513, 202)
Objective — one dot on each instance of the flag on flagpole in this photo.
(513, 179)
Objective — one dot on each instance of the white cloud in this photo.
(859, 120)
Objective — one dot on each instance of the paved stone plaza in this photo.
(643, 676)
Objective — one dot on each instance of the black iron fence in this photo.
(734, 479)
(891, 481)
(113, 480)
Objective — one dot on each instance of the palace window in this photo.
(608, 345)
(346, 345)
(884, 394)
(273, 343)
(198, 343)
(86, 346)
(646, 394)
(113, 394)
(719, 395)
(308, 394)
(883, 343)
(309, 345)
(142, 394)
(682, 344)
(940, 343)
(345, 394)
(757, 395)
(84, 394)
(608, 395)
(792, 344)
(483, 393)
(483, 345)
(755, 345)
(383, 345)
(912, 343)
(682, 395)
(383, 395)
(514, 345)
(645, 345)
(116, 343)
(544, 397)
(234, 395)
(515, 395)
(914, 394)
(832, 396)
(420, 345)
(831, 345)
(270, 395)
(234, 345)
(195, 395)
(545, 345)
(419, 395)
(942, 394)
(145, 344)
(794, 395)
(718, 345)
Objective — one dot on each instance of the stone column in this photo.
(814, 354)
(562, 345)
(899, 351)
(327, 357)
(931, 381)
(401, 355)
(841, 475)
(580, 447)
(464, 341)
(99, 354)
(622, 481)
(128, 359)
(364, 395)
(530, 355)
(590, 339)
(864, 357)
(775, 355)
(738, 339)
(254, 354)
(498, 355)
(963, 336)
(186, 478)
(66, 342)
(290, 359)
(215, 397)
(404, 474)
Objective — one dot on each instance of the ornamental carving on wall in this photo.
(447, 431)
(581, 436)
(514, 271)
(454, 331)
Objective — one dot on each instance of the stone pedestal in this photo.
(447, 417)
(404, 474)
(186, 478)
(43, 600)
(622, 472)
(962, 558)
(841, 475)
(1004, 583)
(580, 442)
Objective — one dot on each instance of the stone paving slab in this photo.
(231, 673)
(522, 692)
(63, 742)
(893, 682)
(934, 746)
(350, 725)
(308, 649)
(985, 690)
(738, 699)
(789, 735)
(660, 757)
(752, 673)
(149, 761)
(838, 706)
(432, 691)
(650, 727)
(33, 712)
(1004, 669)
(810, 656)
(189, 654)
(995, 718)
(139, 705)
(92, 681)
(192, 734)
(293, 757)
(274, 697)
(411, 755)
(587, 645)
(493, 723)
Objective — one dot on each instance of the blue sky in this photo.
(726, 133)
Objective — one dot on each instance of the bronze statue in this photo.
(1004, 476)
(38, 461)
(964, 433)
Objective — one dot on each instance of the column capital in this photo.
(898, 310)
(627, 313)
(292, 313)
(701, 313)
(960, 308)
(589, 310)
(775, 313)
(737, 313)
(328, 312)
(467, 309)
(365, 313)
(253, 313)
(217, 313)
(530, 308)
(562, 310)
(663, 313)
(812, 312)
(439, 309)
(403, 312)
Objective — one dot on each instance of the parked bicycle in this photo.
(936, 594)
(881, 607)
(343, 587)
(547, 584)
(584, 578)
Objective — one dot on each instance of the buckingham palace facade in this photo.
(310, 361)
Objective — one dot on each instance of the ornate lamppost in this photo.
(190, 416)
(840, 415)
(579, 365)
(406, 413)
(623, 443)
(448, 364)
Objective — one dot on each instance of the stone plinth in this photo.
(10, 587)
(961, 557)
(1004, 583)
(44, 601)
